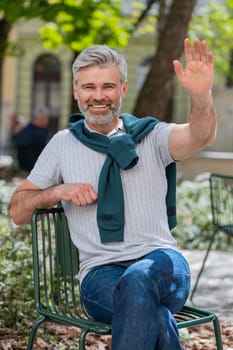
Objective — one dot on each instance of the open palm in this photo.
(197, 77)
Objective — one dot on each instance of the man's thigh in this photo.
(167, 273)
(165, 269)
(97, 291)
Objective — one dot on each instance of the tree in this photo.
(84, 23)
(213, 21)
(157, 89)
(10, 12)
(4, 32)
(70, 22)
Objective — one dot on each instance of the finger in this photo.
(204, 51)
(77, 198)
(178, 68)
(210, 58)
(88, 198)
(76, 201)
(197, 50)
(93, 194)
(188, 50)
(207, 56)
(86, 194)
(89, 192)
(81, 199)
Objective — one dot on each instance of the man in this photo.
(110, 172)
(31, 139)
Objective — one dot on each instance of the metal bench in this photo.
(55, 265)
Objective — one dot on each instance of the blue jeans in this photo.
(139, 299)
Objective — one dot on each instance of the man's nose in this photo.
(98, 94)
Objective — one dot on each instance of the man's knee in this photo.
(136, 282)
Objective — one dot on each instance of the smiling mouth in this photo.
(98, 106)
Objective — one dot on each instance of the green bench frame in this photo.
(55, 268)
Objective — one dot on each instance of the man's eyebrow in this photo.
(104, 84)
(110, 83)
(87, 84)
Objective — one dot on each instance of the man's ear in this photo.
(124, 88)
(75, 90)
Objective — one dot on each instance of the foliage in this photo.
(83, 23)
(152, 99)
(76, 24)
(214, 23)
(6, 190)
(12, 11)
(16, 286)
(194, 216)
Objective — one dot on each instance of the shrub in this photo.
(16, 284)
(194, 216)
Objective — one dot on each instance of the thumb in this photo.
(178, 68)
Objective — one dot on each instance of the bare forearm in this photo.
(203, 120)
(28, 197)
(24, 202)
(187, 139)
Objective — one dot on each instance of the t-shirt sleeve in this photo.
(162, 131)
(46, 172)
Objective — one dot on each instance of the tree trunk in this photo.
(4, 31)
(154, 96)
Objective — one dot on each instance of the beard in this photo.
(100, 118)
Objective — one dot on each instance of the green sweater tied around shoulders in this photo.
(121, 154)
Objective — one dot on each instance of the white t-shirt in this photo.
(67, 160)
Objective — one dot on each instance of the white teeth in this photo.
(99, 106)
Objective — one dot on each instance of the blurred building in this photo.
(38, 77)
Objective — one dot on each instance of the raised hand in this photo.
(197, 76)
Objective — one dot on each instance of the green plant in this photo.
(16, 283)
(194, 216)
(6, 190)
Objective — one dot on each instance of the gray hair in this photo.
(100, 55)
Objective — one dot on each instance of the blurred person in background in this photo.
(31, 139)
(16, 124)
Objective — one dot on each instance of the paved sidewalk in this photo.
(215, 289)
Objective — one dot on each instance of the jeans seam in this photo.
(90, 302)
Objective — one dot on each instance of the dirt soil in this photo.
(200, 338)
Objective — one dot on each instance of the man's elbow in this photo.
(18, 219)
(211, 137)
